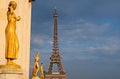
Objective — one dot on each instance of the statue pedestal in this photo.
(10, 73)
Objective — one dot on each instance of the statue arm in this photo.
(9, 12)
(11, 9)
(37, 66)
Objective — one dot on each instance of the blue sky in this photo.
(89, 36)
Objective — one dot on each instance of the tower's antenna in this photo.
(55, 4)
(55, 7)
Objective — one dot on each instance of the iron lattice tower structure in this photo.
(55, 58)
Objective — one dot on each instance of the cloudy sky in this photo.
(89, 36)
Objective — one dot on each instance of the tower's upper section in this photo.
(55, 38)
(55, 13)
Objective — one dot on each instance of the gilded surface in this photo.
(36, 66)
(42, 75)
(12, 44)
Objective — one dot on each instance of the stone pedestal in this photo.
(9, 73)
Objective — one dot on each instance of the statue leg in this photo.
(11, 64)
(10, 61)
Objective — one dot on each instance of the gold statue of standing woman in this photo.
(12, 44)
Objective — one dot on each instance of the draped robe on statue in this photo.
(12, 44)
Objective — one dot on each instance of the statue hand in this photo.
(10, 9)
(18, 18)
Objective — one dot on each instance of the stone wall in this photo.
(23, 32)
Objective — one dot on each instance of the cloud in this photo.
(79, 31)
(80, 36)
(89, 41)
(40, 43)
(37, 40)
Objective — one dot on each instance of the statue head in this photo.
(13, 4)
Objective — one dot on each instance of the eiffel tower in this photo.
(55, 58)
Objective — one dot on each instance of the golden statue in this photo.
(36, 66)
(42, 75)
(12, 44)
